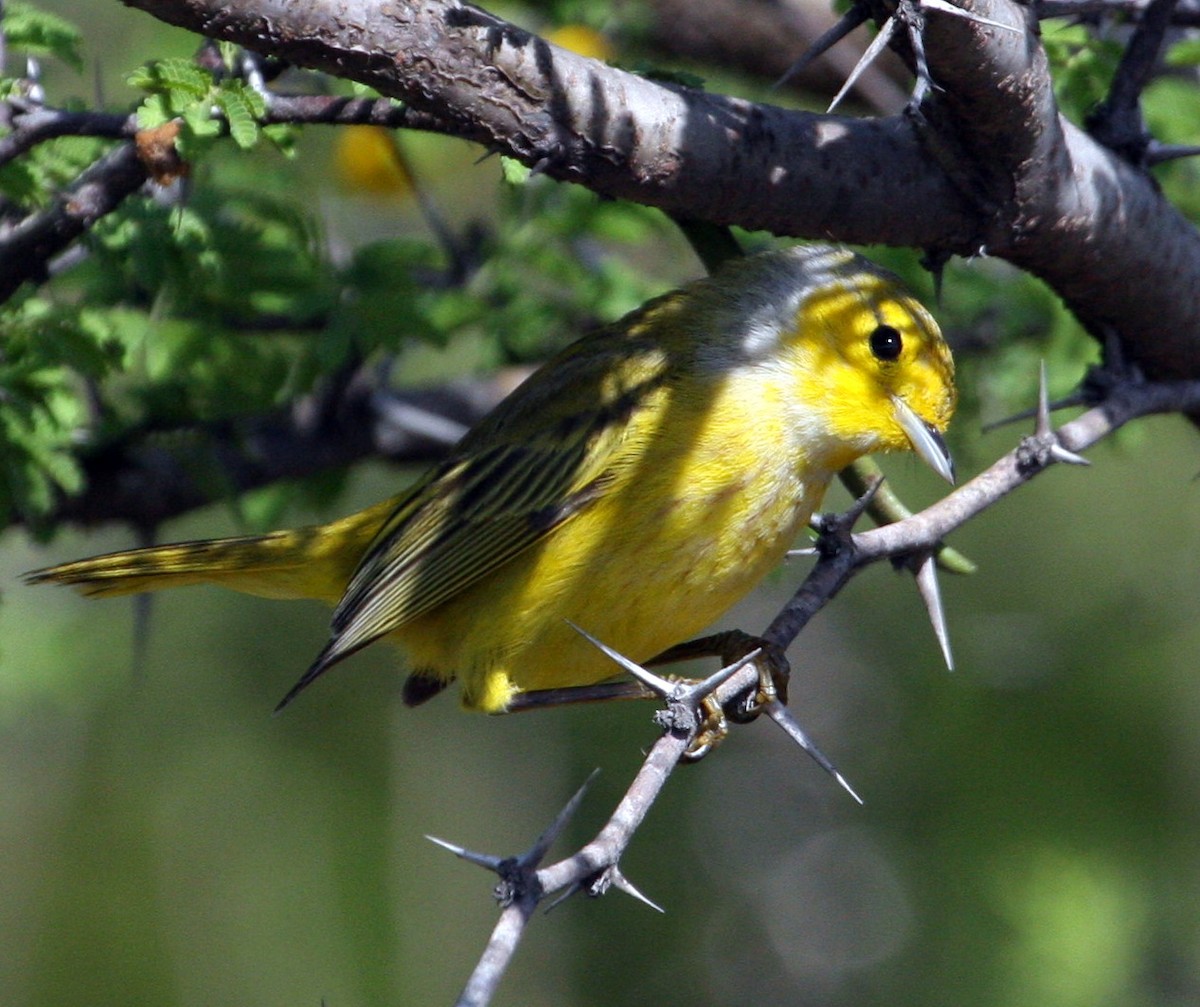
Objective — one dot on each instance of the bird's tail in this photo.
(255, 564)
(313, 562)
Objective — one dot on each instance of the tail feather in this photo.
(313, 562)
(278, 565)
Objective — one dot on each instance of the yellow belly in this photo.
(690, 529)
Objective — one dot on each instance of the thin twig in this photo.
(27, 248)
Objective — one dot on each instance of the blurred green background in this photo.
(1031, 821)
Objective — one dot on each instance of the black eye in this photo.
(886, 343)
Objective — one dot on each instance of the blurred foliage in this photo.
(221, 298)
(1030, 829)
(38, 33)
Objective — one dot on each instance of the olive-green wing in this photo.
(471, 518)
(552, 448)
(543, 455)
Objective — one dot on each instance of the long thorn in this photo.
(1066, 455)
(1074, 399)
(622, 883)
(949, 8)
(797, 553)
(927, 586)
(878, 43)
(652, 681)
(699, 690)
(574, 888)
(1045, 428)
(543, 842)
(783, 717)
(485, 861)
(854, 17)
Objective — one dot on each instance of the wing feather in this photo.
(532, 465)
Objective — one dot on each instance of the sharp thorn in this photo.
(1043, 428)
(878, 43)
(622, 883)
(1075, 399)
(574, 888)
(783, 717)
(796, 553)
(949, 8)
(859, 507)
(854, 17)
(1158, 153)
(552, 831)
(652, 681)
(1066, 456)
(927, 585)
(700, 689)
(482, 859)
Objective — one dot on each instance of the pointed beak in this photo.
(925, 440)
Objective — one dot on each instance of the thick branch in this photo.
(992, 167)
(688, 152)
(1055, 202)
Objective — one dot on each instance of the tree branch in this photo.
(1053, 201)
(152, 475)
(840, 561)
(1007, 174)
(40, 124)
(686, 151)
(27, 247)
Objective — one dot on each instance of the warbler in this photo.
(635, 486)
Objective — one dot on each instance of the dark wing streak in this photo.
(570, 459)
(389, 602)
(444, 546)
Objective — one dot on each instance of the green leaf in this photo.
(242, 107)
(1184, 54)
(513, 171)
(229, 54)
(182, 76)
(154, 111)
(21, 182)
(1083, 65)
(283, 136)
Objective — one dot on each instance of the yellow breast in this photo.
(708, 501)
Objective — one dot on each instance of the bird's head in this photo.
(873, 365)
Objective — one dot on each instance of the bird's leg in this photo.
(730, 646)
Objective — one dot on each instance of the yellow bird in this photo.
(637, 485)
